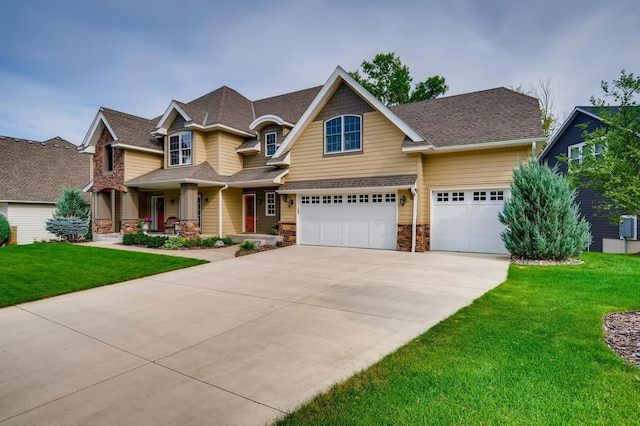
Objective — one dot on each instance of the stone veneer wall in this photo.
(288, 231)
(130, 227)
(13, 237)
(107, 180)
(422, 238)
(189, 230)
(102, 226)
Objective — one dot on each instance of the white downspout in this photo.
(415, 218)
(220, 210)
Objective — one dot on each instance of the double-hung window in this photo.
(576, 152)
(343, 134)
(270, 142)
(180, 149)
(270, 204)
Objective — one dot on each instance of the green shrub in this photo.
(71, 204)
(195, 242)
(248, 246)
(156, 241)
(542, 219)
(144, 240)
(88, 236)
(174, 243)
(129, 239)
(5, 230)
(208, 242)
(279, 244)
(67, 228)
(227, 241)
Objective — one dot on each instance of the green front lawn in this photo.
(35, 271)
(530, 352)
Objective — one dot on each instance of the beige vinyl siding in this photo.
(198, 145)
(288, 214)
(405, 213)
(470, 169)
(171, 209)
(230, 161)
(381, 156)
(231, 211)
(30, 221)
(209, 211)
(137, 163)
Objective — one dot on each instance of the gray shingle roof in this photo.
(39, 171)
(363, 182)
(289, 106)
(487, 116)
(132, 130)
(222, 106)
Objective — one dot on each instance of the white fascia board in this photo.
(27, 202)
(485, 145)
(180, 180)
(260, 182)
(88, 187)
(228, 129)
(563, 128)
(172, 106)
(346, 189)
(268, 118)
(338, 76)
(89, 142)
(137, 148)
(252, 149)
(286, 161)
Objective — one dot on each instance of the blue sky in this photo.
(61, 60)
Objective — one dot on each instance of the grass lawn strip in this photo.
(35, 271)
(530, 352)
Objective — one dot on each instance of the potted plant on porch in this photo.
(144, 223)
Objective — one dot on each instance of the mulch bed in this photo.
(622, 334)
(522, 261)
(264, 247)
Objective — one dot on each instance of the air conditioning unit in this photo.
(628, 228)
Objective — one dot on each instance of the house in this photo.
(32, 178)
(568, 141)
(330, 165)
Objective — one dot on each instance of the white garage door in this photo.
(464, 220)
(365, 220)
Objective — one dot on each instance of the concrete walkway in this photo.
(236, 342)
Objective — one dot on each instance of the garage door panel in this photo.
(362, 223)
(469, 223)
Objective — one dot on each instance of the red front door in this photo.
(250, 213)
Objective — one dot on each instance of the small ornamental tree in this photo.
(542, 219)
(68, 228)
(5, 230)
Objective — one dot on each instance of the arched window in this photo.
(343, 134)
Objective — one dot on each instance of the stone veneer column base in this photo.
(189, 230)
(102, 226)
(422, 238)
(288, 231)
(131, 226)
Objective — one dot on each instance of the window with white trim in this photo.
(497, 195)
(270, 203)
(376, 198)
(442, 196)
(304, 199)
(390, 198)
(364, 198)
(315, 199)
(337, 199)
(479, 196)
(180, 149)
(352, 198)
(576, 151)
(270, 141)
(326, 199)
(343, 134)
(457, 196)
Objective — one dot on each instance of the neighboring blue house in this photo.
(568, 141)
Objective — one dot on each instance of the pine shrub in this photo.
(71, 204)
(542, 219)
(5, 230)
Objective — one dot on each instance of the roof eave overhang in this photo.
(88, 145)
(213, 127)
(476, 146)
(250, 150)
(347, 189)
(563, 128)
(137, 148)
(178, 181)
(260, 182)
(28, 202)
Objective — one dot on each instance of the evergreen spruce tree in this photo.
(5, 230)
(71, 204)
(542, 219)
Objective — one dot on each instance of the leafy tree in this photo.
(5, 230)
(71, 204)
(388, 80)
(610, 159)
(542, 219)
(543, 91)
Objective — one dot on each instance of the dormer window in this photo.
(270, 142)
(343, 134)
(180, 149)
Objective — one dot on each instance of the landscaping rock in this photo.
(622, 334)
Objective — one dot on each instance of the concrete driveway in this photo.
(239, 341)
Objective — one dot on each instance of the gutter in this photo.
(220, 210)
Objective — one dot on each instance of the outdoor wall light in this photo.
(290, 202)
(206, 200)
(403, 200)
(172, 201)
(259, 200)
